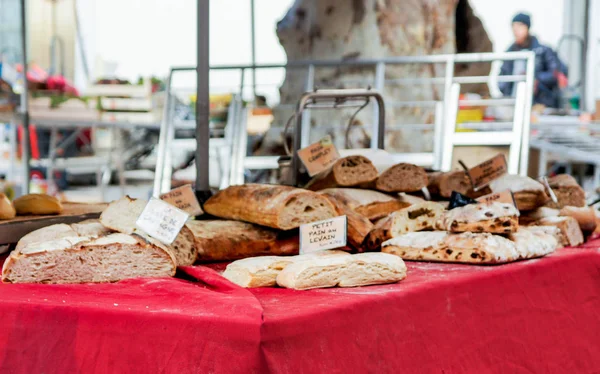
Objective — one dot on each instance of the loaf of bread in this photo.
(226, 240)
(496, 218)
(371, 204)
(585, 216)
(65, 256)
(417, 217)
(7, 210)
(568, 227)
(443, 184)
(549, 230)
(343, 271)
(256, 271)
(262, 271)
(121, 215)
(357, 226)
(367, 269)
(37, 204)
(532, 216)
(482, 248)
(568, 192)
(351, 171)
(529, 194)
(402, 178)
(531, 242)
(279, 207)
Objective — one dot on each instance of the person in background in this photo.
(550, 72)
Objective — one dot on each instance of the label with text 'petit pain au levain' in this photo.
(319, 156)
(183, 198)
(162, 220)
(327, 234)
(484, 173)
(505, 197)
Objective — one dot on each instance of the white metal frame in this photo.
(515, 137)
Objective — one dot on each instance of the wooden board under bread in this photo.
(14, 229)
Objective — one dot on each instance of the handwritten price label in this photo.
(484, 173)
(319, 156)
(183, 198)
(162, 220)
(321, 235)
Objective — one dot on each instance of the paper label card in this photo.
(319, 156)
(506, 197)
(327, 234)
(162, 220)
(183, 198)
(484, 173)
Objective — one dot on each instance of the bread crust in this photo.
(371, 204)
(496, 218)
(358, 227)
(226, 240)
(351, 171)
(402, 177)
(279, 207)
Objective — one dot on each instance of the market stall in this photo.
(536, 316)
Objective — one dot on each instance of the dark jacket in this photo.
(546, 64)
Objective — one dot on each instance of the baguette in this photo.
(440, 246)
(224, 240)
(402, 178)
(358, 227)
(418, 217)
(371, 204)
(585, 216)
(7, 210)
(496, 218)
(37, 204)
(529, 194)
(351, 171)
(121, 215)
(568, 227)
(68, 257)
(279, 207)
(568, 192)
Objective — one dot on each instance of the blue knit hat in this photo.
(523, 18)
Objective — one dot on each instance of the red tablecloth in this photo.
(537, 316)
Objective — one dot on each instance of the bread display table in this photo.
(532, 316)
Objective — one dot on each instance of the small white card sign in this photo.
(327, 234)
(162, 220)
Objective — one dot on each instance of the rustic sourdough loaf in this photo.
(351, 171)
(496, 218)
(585, 216)
(69, 257)
(568, 227)
(226, 240)
(121, 215)
(402, 178)
(529, 194)
(370, 204)
(417, 217)
(444, 183)
(279, 207)
(568, 192)
(358, 227)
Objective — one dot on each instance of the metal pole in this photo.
(253, 40)
(202, 103)
(24, 102)
(584, 51)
